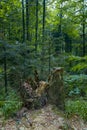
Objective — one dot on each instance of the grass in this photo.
(78, 107)
(9, 104)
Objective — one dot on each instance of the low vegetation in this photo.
(9, 104)
(76, 107)
(36, 37)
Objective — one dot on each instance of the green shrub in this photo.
(9, 104)
(78, 64)
(76, 85)
(14, 77)
(78, 107)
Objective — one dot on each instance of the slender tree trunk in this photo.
(5, 70)
(83, 25)
(43, 36)
(83, 39)
(23, 26)
(9, 31)
(27, 20)
(60, 28)
(44, 14)
(36, 35)
(49, 57)
(23, 21)
(60, 24)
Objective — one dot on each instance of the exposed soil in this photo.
(45, 118)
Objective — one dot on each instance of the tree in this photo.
(83, 27)
(27, 19)
(43, 36)
(23, 21)
(36, 33)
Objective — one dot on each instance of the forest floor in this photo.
(45, 118)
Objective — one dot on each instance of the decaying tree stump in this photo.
(26, 93)
(35, 93)
(56, 89)
(42, 88)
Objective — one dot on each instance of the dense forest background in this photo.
(39, 35)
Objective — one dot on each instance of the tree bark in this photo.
(27, 20)
(5, 70)
(43, 37)
(23, 21)
(83, 26)
(36, 35)
(56, 88)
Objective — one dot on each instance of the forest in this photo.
(43, 64)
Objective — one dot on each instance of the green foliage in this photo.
(22, 60)
(79, 67)
(15, 76)
(9, 104)
(79, 64)
(78, 107)
(76, 85)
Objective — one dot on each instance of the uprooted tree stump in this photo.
(33, 93)
(56, 88)
(36, 93)
(26, 93)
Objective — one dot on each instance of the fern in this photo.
(79, 64)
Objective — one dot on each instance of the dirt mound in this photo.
(43, 119)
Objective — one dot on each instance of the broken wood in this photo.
(56, 88)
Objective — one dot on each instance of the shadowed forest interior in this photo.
(43, 59)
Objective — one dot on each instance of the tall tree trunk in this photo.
(27, 20)
(5, 70)
(60, 28)
(23, 25)
(23, 21)
(9, 31)
(83, 25)
(44, 14)
(43, 36)
(49, 58)
(59, 48)
(36, 35)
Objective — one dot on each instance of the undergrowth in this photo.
(75, 85)
(76, 107)
(9, 104)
